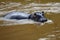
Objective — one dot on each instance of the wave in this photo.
(48, 7)
(7, 22)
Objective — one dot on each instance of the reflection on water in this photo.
(45, 32)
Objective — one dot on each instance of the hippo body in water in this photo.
(37, 16)
(17, 15)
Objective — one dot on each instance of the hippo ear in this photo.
(43, 12)
(35, 14)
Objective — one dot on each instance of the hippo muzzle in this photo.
(42, 20)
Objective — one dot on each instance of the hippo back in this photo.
(17, 15)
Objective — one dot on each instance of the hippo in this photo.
(36, 16)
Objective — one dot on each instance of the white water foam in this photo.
(47, 7)
(7, 22)
(49, 37)
(43, 39)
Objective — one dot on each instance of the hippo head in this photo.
(39, 17)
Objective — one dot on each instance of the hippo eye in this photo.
(42, 11)
(34, 13)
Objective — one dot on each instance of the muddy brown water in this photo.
(33, 31)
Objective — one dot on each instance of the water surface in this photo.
(28, 29)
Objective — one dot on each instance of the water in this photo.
(28, 29)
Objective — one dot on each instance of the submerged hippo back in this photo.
(17, 15)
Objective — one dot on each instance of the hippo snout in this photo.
(43, 20)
